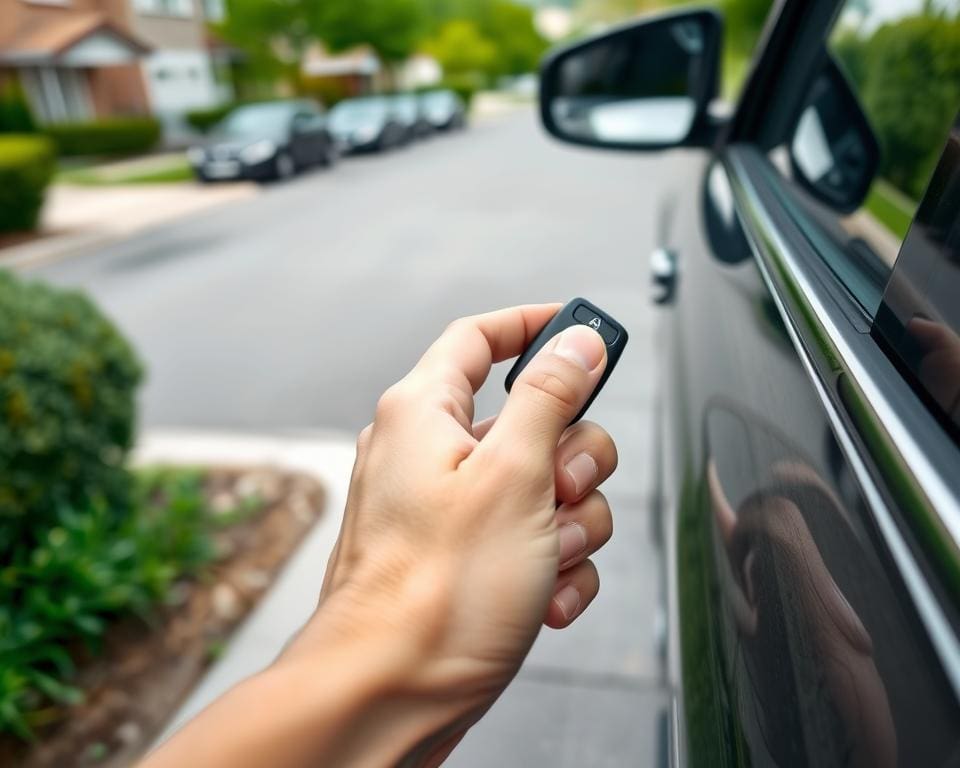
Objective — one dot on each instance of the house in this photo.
(75, 59)
(180, 71)
(85, 59)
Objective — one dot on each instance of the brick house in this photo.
(75, 59)
(84, 59)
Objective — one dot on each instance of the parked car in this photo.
(807, 449)
(408, 111)
(265, 141)
(366, 123)
(443, 109)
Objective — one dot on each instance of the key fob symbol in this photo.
(577, 312)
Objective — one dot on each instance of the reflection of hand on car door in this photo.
(771, 522)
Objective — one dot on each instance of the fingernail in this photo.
(583, 470)
(573, 540)
(568, 601)
(580, 345)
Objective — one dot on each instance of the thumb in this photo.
(550, 392)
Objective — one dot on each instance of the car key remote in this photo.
(577, 312)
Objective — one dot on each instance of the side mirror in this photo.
(644, 86)
(834, 152)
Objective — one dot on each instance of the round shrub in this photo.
(26, 167)
(67, 410)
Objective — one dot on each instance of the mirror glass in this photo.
(636, 88)
(834, 150)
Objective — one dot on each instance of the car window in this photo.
(919, 318)
(901, 63)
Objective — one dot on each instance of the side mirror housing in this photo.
(644, 86)
(834, 152)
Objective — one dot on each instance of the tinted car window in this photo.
(919, 320)
(257, 120)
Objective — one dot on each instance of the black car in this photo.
(408, 112)
(808, 439)
(367, 123)
(265, 141)
(443, 110)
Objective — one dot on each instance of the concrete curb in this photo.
(326, 456)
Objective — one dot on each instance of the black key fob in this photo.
(577, 312)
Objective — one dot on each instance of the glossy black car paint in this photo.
(797, 639)
(807, 494)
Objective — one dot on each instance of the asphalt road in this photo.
(296, 309)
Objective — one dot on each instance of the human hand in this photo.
(453, 542)
(458, 542)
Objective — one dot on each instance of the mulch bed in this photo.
(144, 672)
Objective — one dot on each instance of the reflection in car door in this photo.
(803, 613)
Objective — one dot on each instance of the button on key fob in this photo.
(577, 312)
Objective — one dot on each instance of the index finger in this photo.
(472, 345)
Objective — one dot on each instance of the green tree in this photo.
(910, 91)
(273, 34)
(462, 50)
(393, 28)
(511, 27)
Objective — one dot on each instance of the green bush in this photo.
(67, 381)
(15, 115)
(90, 566)
(26, 167)
(908, 75)
(204, 119)
(113, 136)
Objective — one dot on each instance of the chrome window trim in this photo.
(756, 220)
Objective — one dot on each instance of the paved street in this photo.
(293, 310)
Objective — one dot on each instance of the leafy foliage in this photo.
(67, 381)
(90, 566)
(461, 49)
(26, 167)
(15, 115)
(113, 136)
(393, 28)
(908, 76)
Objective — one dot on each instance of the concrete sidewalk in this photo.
(82, 217)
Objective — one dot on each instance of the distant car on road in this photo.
(443, 109)
(265, 141)
(410, 114)
(366, 123)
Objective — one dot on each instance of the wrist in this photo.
(377, 667)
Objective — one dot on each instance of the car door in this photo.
(307, 140)
(810, 473)
(816, 491)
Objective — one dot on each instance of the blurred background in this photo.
(226, 226)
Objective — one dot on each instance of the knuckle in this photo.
(554, 390)
(393, 401)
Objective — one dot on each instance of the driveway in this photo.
(295, 309)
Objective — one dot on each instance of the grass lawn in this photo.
(891, 208)
(152, 171)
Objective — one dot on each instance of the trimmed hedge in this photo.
(27, 164)
(67, 381)
(112, 136)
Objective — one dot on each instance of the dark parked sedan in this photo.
(366, 123)
(443, 110)
(808, 445)
(265, 141)
(408, 112)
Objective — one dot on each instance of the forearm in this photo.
(345, 704)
